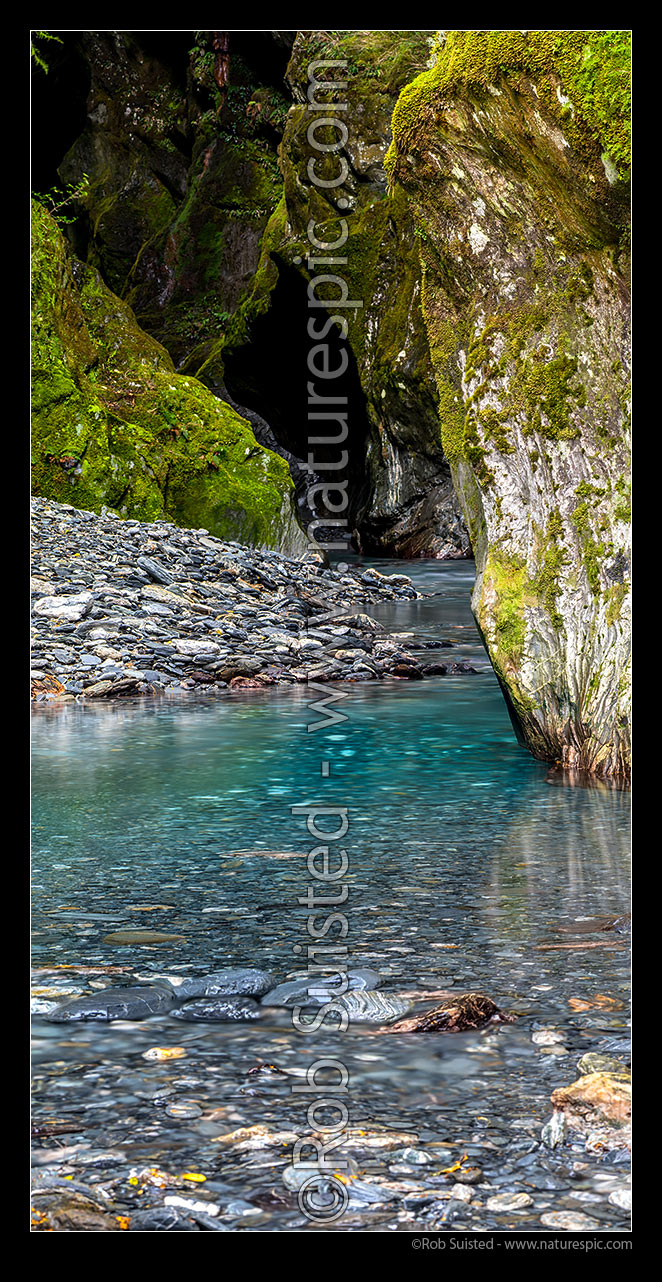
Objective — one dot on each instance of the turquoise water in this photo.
(465, 856)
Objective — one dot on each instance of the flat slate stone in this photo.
(116, 1003)
(140, 937)
(373, 1008)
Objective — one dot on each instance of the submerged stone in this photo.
(116, 1003)
(161, 1219)
(373, 1008)
(226, 983)
(595, 1097)
(318, 990)
(140, 937)
(211, 1010)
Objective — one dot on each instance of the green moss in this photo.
(113, 423)
(614, 597)
(546, 391)
(622, 510)
(506, 577)
(552, 560)
(443, 354)
(378, 62)
(591, 67)
(592, 551)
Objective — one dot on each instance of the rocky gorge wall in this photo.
(513, 151)
(486, 204)
(114, 424)
(192, 202)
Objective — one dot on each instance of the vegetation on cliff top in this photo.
(583, 78)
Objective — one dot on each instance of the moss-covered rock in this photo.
(512, 150)
(114, 424)
(408, 506)
(196, 207)
(135, 152)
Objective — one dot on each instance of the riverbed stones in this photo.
(68, 608)
(43, 683)
(227, 983)
(318, 990)
(116, 1003)
(218, 1010)
(197, 648)
(161, 1219)
(164, 1053)
(71, 1212)
(571, 1221)
(186, 612)
(547, 1037)
(595, 1098)
(622, 1198)
(555, 1130)
(183, 1110)
(509, 1202)
(140, 937)
(595, 1063)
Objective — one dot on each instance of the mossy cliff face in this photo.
(404, 505)
(114, 424)
(196, 210)
(181, 184)
(512, 150)
(409, 507)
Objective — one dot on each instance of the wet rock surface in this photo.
(119, 1003)
(457, 1014)
(230, 617)
(223, 1009)
(227, 983)
(532, 381)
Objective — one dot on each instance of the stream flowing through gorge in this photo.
(467, 861)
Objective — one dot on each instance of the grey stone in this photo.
(223, 1010)
(116, 1003)
(318, 989)
(233, 982)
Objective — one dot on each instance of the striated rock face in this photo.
(513, 150)
(114, 424)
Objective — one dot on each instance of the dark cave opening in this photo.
(271, 375)
(265, 53)
(170, 48)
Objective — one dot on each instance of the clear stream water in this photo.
(465, 856)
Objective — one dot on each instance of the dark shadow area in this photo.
(270, 375)
(58, 106)
(265, 53)
(170, 48)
